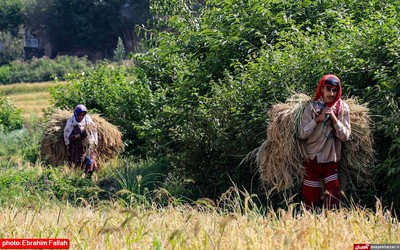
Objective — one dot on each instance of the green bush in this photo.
(221, 69)
(10, 117)
(5, 74)
(43, 69)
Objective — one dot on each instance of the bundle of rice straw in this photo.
(280, 157)
(357, 153)
(53, 148)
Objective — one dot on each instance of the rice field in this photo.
(112, 227)
(31, 98)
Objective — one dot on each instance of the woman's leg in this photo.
(311, 187)
(331, 185)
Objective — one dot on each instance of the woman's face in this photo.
(80, 116)
(329, 93)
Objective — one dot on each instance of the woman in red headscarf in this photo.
(324, 125)
(80, 136)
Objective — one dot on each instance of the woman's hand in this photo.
(326, 113)
(320, 118)
(329, 111)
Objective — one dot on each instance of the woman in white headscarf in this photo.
(80, 136)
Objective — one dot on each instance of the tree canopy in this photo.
(76, 27)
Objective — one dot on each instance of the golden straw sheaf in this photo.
(280, 157)
(52, 146)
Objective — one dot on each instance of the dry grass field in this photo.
(31, 98)
(112, 227)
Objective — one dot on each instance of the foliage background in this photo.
(198, 94)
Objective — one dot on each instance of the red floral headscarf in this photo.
(323, 82)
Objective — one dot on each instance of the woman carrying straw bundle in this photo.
(81, 139)
(325, 124)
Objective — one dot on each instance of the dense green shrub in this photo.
(43, 69)
(10, 116)
(5, 74)
(224, 67)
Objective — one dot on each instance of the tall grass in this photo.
(114, 227)
(137, 180)
(32, 184)
(19, 147)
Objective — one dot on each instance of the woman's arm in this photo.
(307, 123)
(343, 126)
